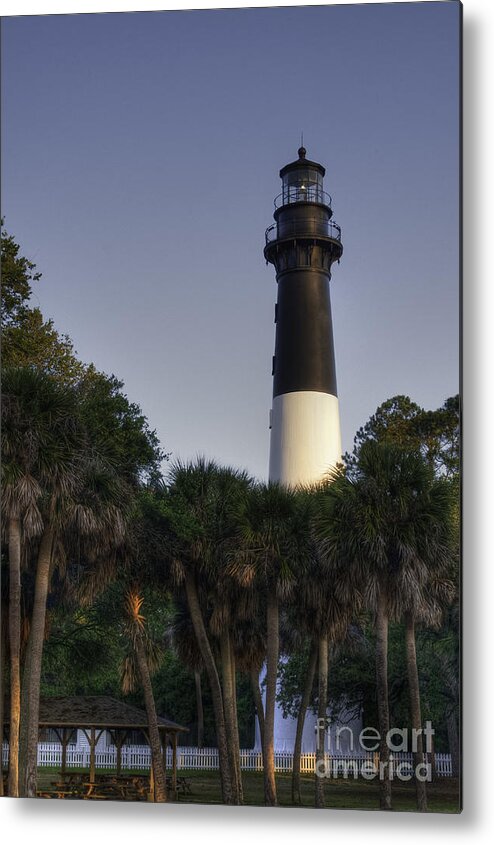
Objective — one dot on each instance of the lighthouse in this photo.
(302, 244)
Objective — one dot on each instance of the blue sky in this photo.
(140, 160)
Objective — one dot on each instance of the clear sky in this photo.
(140, 161)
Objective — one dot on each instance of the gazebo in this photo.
(94, 714)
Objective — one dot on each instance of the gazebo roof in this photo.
(97, 711)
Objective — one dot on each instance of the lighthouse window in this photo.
(302, 185)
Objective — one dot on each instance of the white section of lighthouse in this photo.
(305, 437)
(302, 244)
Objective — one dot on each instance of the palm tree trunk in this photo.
(322, 716)
(432, 760)
(382, 699)
(15, 652)
(272, 654)
(199, 709)
(453, 742)
(226, 674)
(415, 709)
(302, 712)
(214, 682)
(26, 669)
(36, 637)
(154, 734)
(235, 727)
(256, 692)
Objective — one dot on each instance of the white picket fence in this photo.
(139, 757)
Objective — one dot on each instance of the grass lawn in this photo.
(342, 794)
(443, 795)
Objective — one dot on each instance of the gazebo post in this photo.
(64, 738)
(93, 740)
(65, 742)
(121, 737)
(174, 766)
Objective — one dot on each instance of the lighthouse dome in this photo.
(302, 180)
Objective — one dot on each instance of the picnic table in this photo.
(120, 787)
(116, 787)
(68, 785)
(108, 787)
(60, 789)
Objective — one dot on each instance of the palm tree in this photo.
(182, 639)
(425, 607)
(424, 588)
(200, 511)
(305, 700)
(273, 546)
(37, 432)
(75, 499)
(250, 644)
(87, 508)
(386, 525)
(73, 455)
(175, 524)
(15, 650)
(325, 604)
(185, 643)
(20, 492)
(146, 658)
(231, 604)
(199, 708)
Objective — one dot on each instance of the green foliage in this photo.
(352, 681)
(273, 537)
(440, 673)
(238, 539)
(351, 677)
(176, 698)
(119, 427)
(42, 443)
(292, 672)
(391, 525)
(17, 274)
(83, 652)
(436, 434)
(27, 339)
(32, 341)
(246, 711)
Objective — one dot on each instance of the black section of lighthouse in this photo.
(302, 244)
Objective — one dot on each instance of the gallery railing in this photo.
(306, 228)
